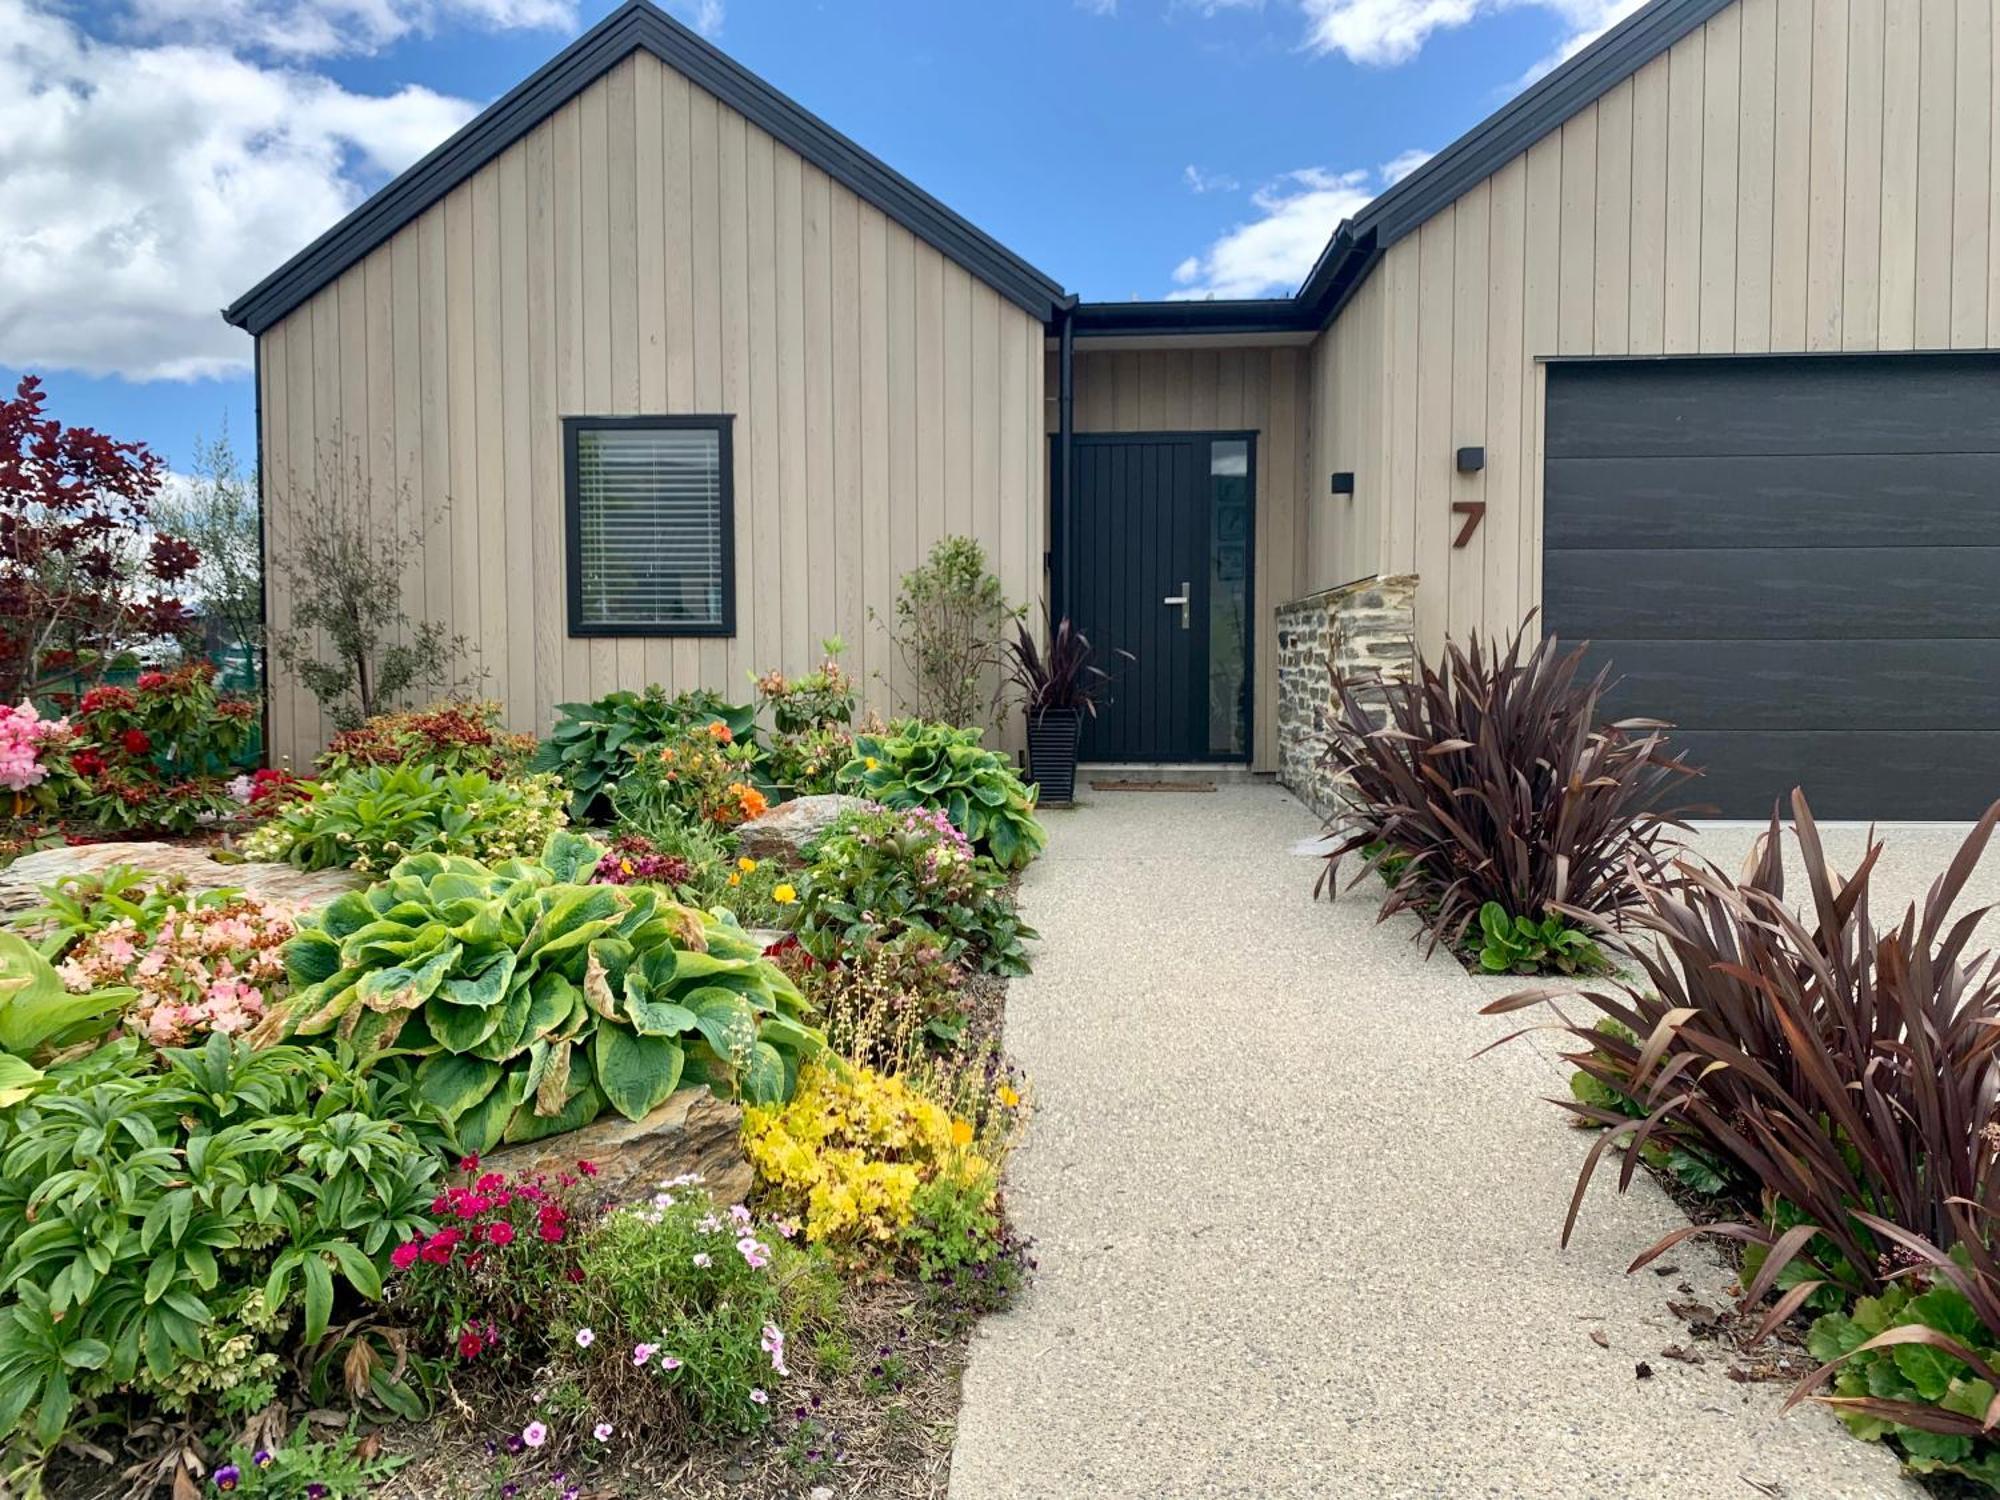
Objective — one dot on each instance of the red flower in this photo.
(470, 1345)
(470, 1163)
(152, 681)
(136, 741)
(491, 1182)
(87, 763)
(588, 1168)
(404, 1255)
(552, 1231)
(575, 1274)
(500, 1233)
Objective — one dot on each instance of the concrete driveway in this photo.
(1295, 1240)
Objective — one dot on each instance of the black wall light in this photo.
(1343, 483)
(1471, 460)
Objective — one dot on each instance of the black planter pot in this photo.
(1052, 740)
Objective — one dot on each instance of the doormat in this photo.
(1152, 786)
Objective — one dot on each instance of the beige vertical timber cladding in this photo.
(648, 250)
(1794, 176)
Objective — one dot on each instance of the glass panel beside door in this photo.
(1156, 558)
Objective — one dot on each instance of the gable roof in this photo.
(634, 25)
(1358, 244)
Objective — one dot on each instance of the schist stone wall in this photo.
(1369, 624)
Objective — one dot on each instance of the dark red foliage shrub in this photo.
(82, 574)
(1490, 777)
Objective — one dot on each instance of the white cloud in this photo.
(704, 16)
(1199, 181)
(1401, 165)
(1270, 256)
(325, 28)
(148, 186)
(1098, 7)
(1384, 32)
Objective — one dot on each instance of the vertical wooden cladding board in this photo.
(1793, 176)
(647, 249)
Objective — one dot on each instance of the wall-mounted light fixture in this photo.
(1471, 460)
(1343, 482)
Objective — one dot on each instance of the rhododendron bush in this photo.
(208, 967)
(24, 734)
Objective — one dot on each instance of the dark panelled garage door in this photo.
(1795, 560)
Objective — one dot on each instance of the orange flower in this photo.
(749, 800)
(719, 732)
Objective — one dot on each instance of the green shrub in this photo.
(534, 1000)
(950, 615)
(698, 774)
(463, 735)
(691, 1307)
(304, 1468)
(1521, 945)
(822, 699)
(934, 765)
(39, 1016)
(76, 907)
(877, 875)
(370, 818)
(168, 1233)
(592, 743)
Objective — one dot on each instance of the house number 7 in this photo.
(1474, 512)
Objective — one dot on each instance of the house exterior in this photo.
(1690, 347)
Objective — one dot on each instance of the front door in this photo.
(1156, 561)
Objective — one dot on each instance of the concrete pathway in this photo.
(1295, 1241)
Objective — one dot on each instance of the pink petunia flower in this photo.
(643, 1352)
(534, 1434)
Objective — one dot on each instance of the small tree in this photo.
(342, 559)
(83, 574)
(950, 615)
(217, 516)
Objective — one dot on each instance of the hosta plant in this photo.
(878, 874)
(368, 819)
(1490, 777)
(166, 1234)
(1846, 1069)
(593, 743)
(1521, 945)
(917, 764)
(530, 1000)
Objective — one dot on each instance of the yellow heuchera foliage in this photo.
(850, 1150)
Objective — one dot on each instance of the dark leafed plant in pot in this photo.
(1058, 687)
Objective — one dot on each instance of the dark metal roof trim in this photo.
(1273, 315)
(1503, 135)
(636, 24)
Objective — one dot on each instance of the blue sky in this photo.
(1130, 148)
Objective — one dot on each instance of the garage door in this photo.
(1797, 561)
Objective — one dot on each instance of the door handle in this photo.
(1181, 599)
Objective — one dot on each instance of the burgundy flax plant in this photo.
(1851, 1072)
(1490, 777)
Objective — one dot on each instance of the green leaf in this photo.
(454, 1083)
(319, 1298)
(636, 1073)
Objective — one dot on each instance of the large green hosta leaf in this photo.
(636, 1073)
(531, 1002)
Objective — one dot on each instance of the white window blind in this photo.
(650, 518)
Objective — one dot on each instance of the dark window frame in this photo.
(722, 424)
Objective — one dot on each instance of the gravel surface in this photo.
(1297, 1240)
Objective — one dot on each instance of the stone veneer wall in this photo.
(1367, 624)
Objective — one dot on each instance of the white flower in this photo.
(585, 1338)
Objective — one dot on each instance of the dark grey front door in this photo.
(1155, 560)
(1797, 561)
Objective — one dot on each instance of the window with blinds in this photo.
(651, 546)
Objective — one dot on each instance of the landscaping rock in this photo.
(787, 828)
(692, 1132)
(280, 884)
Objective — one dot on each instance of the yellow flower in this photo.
(784, 895)
(736, 880)
(1008, 1097)
(746, 864)
(870, 762)
(961, 1132)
